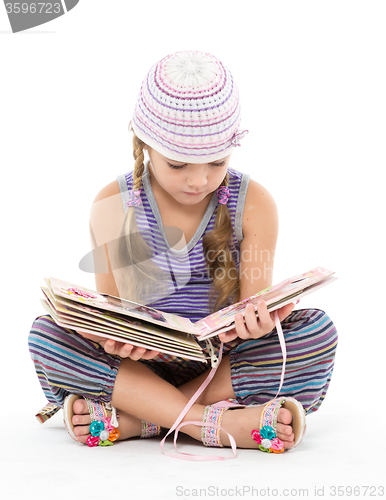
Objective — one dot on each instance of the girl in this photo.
(187, 121)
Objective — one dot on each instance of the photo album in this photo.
(78, 308)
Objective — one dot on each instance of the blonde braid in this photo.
(138, 275)
(222, 267)
(139, 165)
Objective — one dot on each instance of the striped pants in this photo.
(66, 362)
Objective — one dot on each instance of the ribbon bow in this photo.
(237, 136)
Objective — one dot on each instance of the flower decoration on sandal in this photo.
(103, 433)
(223, 194)
(267, 440)
(134, 198)
(103, 429)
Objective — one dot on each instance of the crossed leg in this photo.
(140, 394)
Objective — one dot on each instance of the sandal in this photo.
(266, 435)
(104, 422)
(211, 421)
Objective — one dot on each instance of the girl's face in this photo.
(187, 183)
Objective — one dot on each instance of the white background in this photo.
(312, 82)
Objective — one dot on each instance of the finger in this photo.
(240, 327)
(125, 350)
(137, 353)
(150, 354)
(109, 346)
(251, 321)
(228, 336)
(265, 320)
(285, 311)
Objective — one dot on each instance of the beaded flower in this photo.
(267, 440)
(134, 198)
(223, 194)
(102, 433)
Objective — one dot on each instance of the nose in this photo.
(197, 176)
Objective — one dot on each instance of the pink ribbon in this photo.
(178, 425)
(237, 136)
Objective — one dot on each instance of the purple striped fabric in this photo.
(67, 363)
(311, 340)
(189, 281)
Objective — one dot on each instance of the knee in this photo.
(44, 334)
(323, 331)
(314, 324)
(37, 333)
(323, 324)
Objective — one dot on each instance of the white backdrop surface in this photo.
(312, 82)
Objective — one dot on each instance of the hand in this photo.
(251, 327)
(122, 349)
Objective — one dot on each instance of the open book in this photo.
(80, 308)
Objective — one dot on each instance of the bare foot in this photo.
(129, 426)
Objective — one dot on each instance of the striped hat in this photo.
(188, 108)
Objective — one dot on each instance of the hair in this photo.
(137, 274)
(218, 245)
(140, 276)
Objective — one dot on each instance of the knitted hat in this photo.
(188, 108)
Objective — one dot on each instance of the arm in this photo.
(257, 250)
(106, 220)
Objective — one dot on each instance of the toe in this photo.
(285, 430)
(82, 430)
(288, 444)
(81, 419)
(284, 416)
(82, 439)
(80, 407)
(286, 437)
(81, 413)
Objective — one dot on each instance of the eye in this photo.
(221, 164)
(175, 167)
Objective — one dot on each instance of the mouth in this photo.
(193, 194)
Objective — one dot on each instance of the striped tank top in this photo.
(186, 286)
